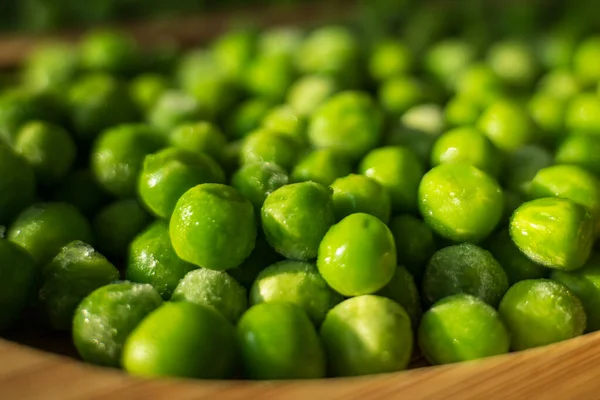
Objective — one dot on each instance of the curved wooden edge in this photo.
(565, 370)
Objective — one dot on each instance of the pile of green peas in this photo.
(291, 204)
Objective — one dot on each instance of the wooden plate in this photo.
(566, 370)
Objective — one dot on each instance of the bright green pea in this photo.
(399, 93)
(467, 145)
(118, 156)
(269, 76)
(199, 137)
(214, 289)
(403, 290)
(585, 284)
(181, 340)
(480, 84)
(19, 272)
(284, 119)
(462, 328)
(106, 317)
(110, 52)
(307, 94)
(295, 282)
(415, 243)
(280, 41)
(358, 331)
(357, 255)
(267, 146)
(390, 58)
(580, 149)
(464, 268)
(48, 148)
(171, 172)
(330, 126)
(152, 260)
(174, 108)
(399, 171)
(117, 224)
(583, 114)
(213, 226)
(97, 102)
(44, 228)
(17, 184)
(522, 165)
(514, 62)
(51, 66)
(476, 202)
(427, 118)
(296, 217)
(360, 194)
(553, 232)
(539, 312)
(146, 90)
(448, 59)
(559, 83)
(75, 272)
(234, 50)
(507, 125)
(256, 181)
(548, 112)
(586, 60)
(278, 341)
(323, 166)
(248, 116)
(461, 111)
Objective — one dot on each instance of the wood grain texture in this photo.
(567, 370)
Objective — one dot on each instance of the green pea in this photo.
(75, 272)
(507, 125)
(399, 171)
(295, 282)
(110, 52)
(560, 83)
(278, 341)
(448, 59)
(360, 194)
(296, 217)
(476, 206)
(359, 330)
(267, 146)
(153, 260)
(44, 228)
(269, 76)
(516, 265)
(234, 50)
(48, 148)
(514, 62)
(284, 119)
(522, 165)
(427, 118)
(146, 90)
(553, 232)
(199, 137)
(97, 102)
(256, 181)
(480, 84)
(582, 114)
(18, 281)
(464, 268)
(357, 255)
(467, 145)
(548, 113)
(585, 284)
(330, 128)
(403, 290)
(280, 41)
(181, 340)
(17, 184)
(214, 289)
(213, 226)
(556, 50)
(399, 93)
(51, 66)
(323, 166)
(580, 149)
(462, 328)
(248, 116)
(585, 60)
(106, 317)
(415, 243)
(309, 92)
(171, 172)
(117, 224)
(461, 111)
(174, 108)
(390, 58)
(538, 312)
(118, 155)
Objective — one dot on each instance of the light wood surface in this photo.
(567, 370)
